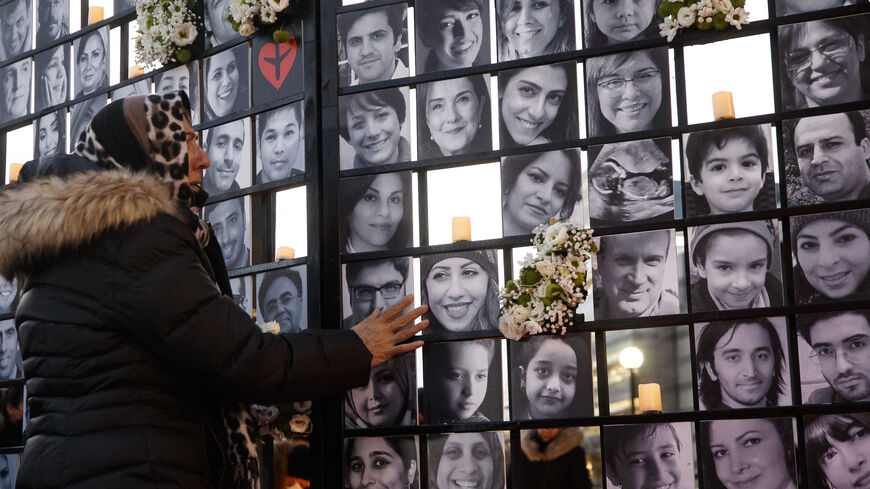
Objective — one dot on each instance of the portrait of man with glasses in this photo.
(374, 285)
(824, 62)
(280, 297)
(840, 343)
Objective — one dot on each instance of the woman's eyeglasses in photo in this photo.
(642, 80)
(798, 60)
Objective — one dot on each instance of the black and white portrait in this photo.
(529, 28)
(225, 82)
(184, 78)
(10, 356)
(790, 7)
(735, 265)
(8, 470)
(277, 67)
(12, 415)
(628, 92)
(462, 381)
(281, 297)
(461, 290)
(826, 158)
(228, 147)
(52, 21)
(538, 186)
(49, 134)
(91, 62)
(834, 356)
(477, 458)
(823, 62)
(742, 363)
(635, 275)
(52, 77)
(631, 181)
(454, 34)
(375, 128)
(374, 285)
(81, 115)
(8, 296)
(667, 446)
(831, 256)
(243, 290)
(389, 461)
(280, 143)
(538, 105)
(218, 29)
(230, 219)
(608, 22)
(551, 377)
(374, 44)
(836, 449)
(376, 212)
(755, 452)
(454, 117)
(15, 87)
(389, 399)
(729, 171)
(16, 28)
(141, 87)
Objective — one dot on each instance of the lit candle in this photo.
(461, 229)
(723, 106)
(14, 170)
(285, 253)
(95, 14)
(649, 398)
(135, 71)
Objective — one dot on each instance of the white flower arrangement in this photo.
(702, 14)
(248, 16)
(166, 28)
(551, 284)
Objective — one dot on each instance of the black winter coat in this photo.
(559, 464)
(128, 344)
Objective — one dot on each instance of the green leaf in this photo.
(719, 21)
(553, 291)
(511, 286)
(524, 300)
(529, 276)
(703, 26)
(183, 55)
(280, 36)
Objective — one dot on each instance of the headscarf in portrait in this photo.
(487, 317)
(482, 141)
(405, 376)
(405, 446)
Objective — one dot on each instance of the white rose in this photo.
(300, 423)
(278, 5)
(520, 314)
(723, 6)
(685, 17)
(556, 234)
(268, 16)
(271, 327)
(185, 34)
(532, 327)
(545, 267)
(246, 29)
(510, 329)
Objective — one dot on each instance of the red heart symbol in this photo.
(276, 60)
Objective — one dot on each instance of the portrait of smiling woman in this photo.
(52, 80)
(628, 92)
(538, 186)
(538, 105)
(389, 399)
(466, 460)
(373, 128)
(454, 35)
(528, 28)
(462, 381)
(50, 132)
(383, 462)
(376, 212)
(453, 117)
(225, 80)
(461, 290)
(92, 62)
(615, 21)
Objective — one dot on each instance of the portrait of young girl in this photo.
(611, 22)
(462, 381)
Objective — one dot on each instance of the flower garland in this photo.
(165, 28)
(703, 14)
(552, 283)
(249, 16)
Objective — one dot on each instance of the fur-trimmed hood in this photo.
(566, 440)
(44, 217)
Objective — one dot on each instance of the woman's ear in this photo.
(412, 472)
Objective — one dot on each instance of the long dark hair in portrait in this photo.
(565, 125)
(427, 147)
(487, 316)
(435, 445)
(240, 102)
(84, 63)
(434, 33)
(400, 371)
(404, 446)
(563, 40)
(512, 167)
(51, 86)
(820, 431)
(595, 37)
(355, 188)
(49, 136)
(709, 391)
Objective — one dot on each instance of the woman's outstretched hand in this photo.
(382, 331)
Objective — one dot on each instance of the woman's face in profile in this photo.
(374, 134)
(631, 105)
(538, 193)
(55, 76)
(374, 463)
(377, 215)
(91, 61)
(7, 295)
(279, 145)
(222, 83)
(622, 20)
(453, 112)
(456, 288)
(748, 453)
(460, 35)
(833, 255)
(530, 25)
(47, 139)
(531, 101)
(466, 461)
(824, 64)
(381, 402)
(550, 379)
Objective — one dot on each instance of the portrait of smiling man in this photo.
(228, 152)
(15, 88)
(840, 343)
(52, 20)
(15, 28)
(831, 152)
(280, 297)
(229, 220)
(374, 285)
(372, 40)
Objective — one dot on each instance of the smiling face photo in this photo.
(374, 128)
(461, 290)
(91, 62)
(376, 212)
(386, 462)
(462, 380)
(611, 22)
(538, 105)
(372, 40)
(280, 143)
(228, 147)
(219, 29)
(10, 357)
(225, 80)
(467, 460)
(230, 220)
(529, 28)
(15, 28)
(8, 295)
(455, 35)
(645, 456)
(15, 89)
(453, 117)
(748, 453)
(52, 77)
(50, 134)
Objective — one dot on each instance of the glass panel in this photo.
(471, 191)
(291, 220)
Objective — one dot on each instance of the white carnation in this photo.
(509, 328)
(723, 6)
(545, 267)
(247, 29)
(184, 34)
(686, 17)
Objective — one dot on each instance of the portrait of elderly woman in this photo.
(225, 82)
(184, 78)
(92, 62)
(611, 22)
(837, 450)
(462, 381)
(628, 92)
(466, 460)
(388, 462)
(454, 34)
(49, 136)
(389, 399)
(52, 21)
(538, 105)
(631, 181)
(374, 128)
(15, 28)
(376, 212)
(742, 453)
(824, 62)
(453, 117)
(280, 143)
(529, 28)
(52, 77)
(15, 89)
(538, 186)
(461, 290)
